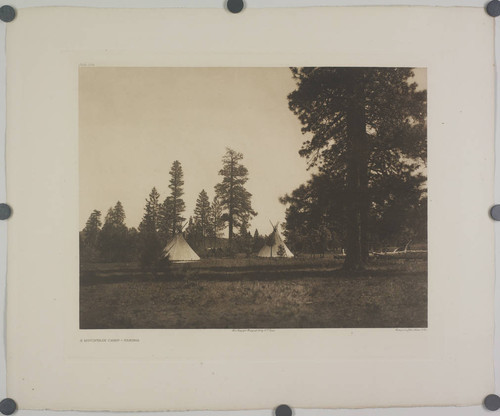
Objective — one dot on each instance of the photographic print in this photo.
(253, 197)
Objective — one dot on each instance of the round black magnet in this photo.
(7, 14)
(495, 212)
(235, 6)
(492, 402)
(5, 211)
(283, 410)
(493, 8)
(8, 406)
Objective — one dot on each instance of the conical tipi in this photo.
(274, 250)
(179, 251)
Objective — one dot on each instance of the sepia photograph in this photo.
(252, 198)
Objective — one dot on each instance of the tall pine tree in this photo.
(92, 228)
(363, 123)
(234, 197)
(89, 237)
(151, 217)
(201, 214)
(113, 238)
(150, 249)
(173, 206)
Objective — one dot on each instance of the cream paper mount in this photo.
(54, 363)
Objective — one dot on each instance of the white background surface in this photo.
(478, 410)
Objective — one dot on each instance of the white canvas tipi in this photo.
(272, 251)
(179, 251)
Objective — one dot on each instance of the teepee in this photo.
(179, 251)
(274, 250)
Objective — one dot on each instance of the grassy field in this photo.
(257, 293)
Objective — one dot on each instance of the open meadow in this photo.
(301, 292)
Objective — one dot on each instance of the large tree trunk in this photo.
(364, 193)
(174, 211)
(357, 175)
(230, 229)
(231, 207)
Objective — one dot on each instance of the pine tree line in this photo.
(161, 220)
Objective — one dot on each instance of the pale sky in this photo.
(134, 122)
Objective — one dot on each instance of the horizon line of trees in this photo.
(113, 241)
